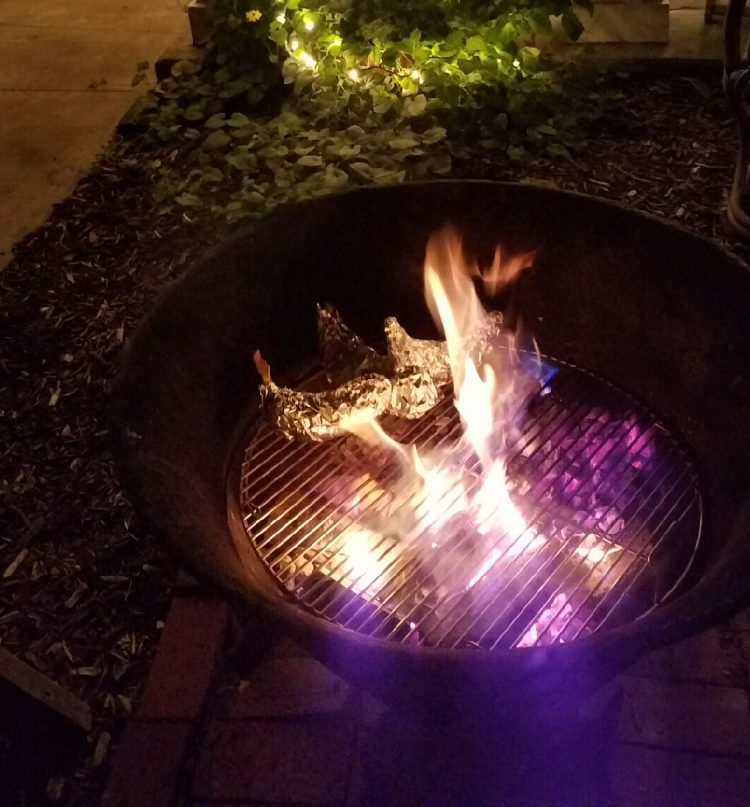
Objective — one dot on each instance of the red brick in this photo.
(148, 765)
(708, 658)
(304, 761)
(285, 687)
(180, 676)
(685, 716)
(652, 777)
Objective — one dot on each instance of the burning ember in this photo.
(517, 520)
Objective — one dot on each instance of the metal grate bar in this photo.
(551, 597)
(549, 564)
(559, 555)
(331, 469)
(588, 464)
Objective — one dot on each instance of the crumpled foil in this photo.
(343, 352)
(406, 383)
(429, 355)
(413, 394)
(318, 415)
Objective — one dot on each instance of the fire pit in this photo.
(621, 520)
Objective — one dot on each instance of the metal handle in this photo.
(737, 89)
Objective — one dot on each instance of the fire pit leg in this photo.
(737, 88)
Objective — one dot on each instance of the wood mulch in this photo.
(84, 584)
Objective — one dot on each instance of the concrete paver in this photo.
(54, 126)
(691, 717)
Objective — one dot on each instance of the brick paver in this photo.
(193, 638)
(651, 777)
(148, 768)
(281, 730)
(306, 761)
(696, 717)
(283, 687)
(712, 657)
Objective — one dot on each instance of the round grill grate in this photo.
(610, 499)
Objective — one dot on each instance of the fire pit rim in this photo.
(667, 624)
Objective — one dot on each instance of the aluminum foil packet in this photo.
(344, 354)
(405, 383)
(317, 416)
(429, 355)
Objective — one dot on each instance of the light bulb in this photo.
(294, 44)
(308, 60)
(416, 75)
(281, 18)
(516, 63)
(337, 41)
(309, 25)
(353, 74)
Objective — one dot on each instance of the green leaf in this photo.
(475, 44)
(311, 160)
(181, 68)
(278, 33)
(434, 135)
(385, 177)
(243, 162)
(572, 26)
(188, 200)
(193, 112)
(215, 121)
(212, 174)
(415, 106)
(362, 169)
(217, 140)
(402, 143)
(355, 132)
(545, 129)
(440, 163)
(558, 150)
(238, 120)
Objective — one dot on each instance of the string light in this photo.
(309, 25)
(281, 18)
(308, 60)
(516, 63)
(416, 75)
(337, 41)
(353, 74)
(294, 44)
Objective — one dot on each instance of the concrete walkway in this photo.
(65, 81)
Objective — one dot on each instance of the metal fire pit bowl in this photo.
(649, 308)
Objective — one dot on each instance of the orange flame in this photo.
(505, 270)
(488, 387)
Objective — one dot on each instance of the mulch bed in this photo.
(84, 584)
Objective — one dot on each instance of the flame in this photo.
(488, 384)
(484, 398)
(505, 270)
